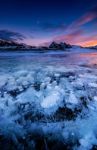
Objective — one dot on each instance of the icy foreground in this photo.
(49, 109)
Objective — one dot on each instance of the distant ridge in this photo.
(12, 45)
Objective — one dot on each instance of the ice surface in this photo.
(56, 104)
(51, 100)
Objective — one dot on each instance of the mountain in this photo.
(93, 47)
(11, 45)
(7, 43)
(59, 46)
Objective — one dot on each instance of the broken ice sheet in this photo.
(59, 103)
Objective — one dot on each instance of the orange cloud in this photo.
(89, 43)
(78, 37)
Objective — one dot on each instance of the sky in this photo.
(39, 22)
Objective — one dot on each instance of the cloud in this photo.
(90, 16)
(76, 33)
(73, 33)
(70, 37)
(88, 40)
(78, 37)
(10, 35)
(84, 19)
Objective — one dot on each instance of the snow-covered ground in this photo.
(47, 104)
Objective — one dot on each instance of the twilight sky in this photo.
(39, 22)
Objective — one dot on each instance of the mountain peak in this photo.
(61, 45)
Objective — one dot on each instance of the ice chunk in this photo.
(51, 100)
(3, 80)
(94, 85)
(72, 98)
(95, 98)
(28, 96)
(88, 141)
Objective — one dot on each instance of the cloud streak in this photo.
(84, 19)
(76, 32)
(10, 35)
(70, 37)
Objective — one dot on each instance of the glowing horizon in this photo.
(41, 22)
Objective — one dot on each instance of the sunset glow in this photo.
(71, 21)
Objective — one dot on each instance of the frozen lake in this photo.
(48, 100)
(15, 60)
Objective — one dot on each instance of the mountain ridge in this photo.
(13, 45)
